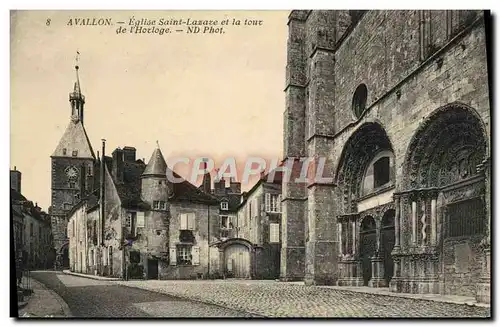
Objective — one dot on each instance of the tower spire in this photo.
(76, 98)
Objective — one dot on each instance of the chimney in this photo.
(118, 165)
(235, 186)
(207, 181)
(129, 154)
(15, 179)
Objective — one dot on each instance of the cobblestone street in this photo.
(88, 298)
(274, 299)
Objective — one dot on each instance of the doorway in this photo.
(368, 241)
(152, 269)
(237, 261)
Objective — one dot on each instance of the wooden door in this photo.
(237, 258)
(368, 244)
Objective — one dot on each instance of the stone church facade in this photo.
(398, 103)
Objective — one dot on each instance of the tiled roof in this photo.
(74, 139)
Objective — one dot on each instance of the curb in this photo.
(409, 296)
(64, 306)
(101, 278)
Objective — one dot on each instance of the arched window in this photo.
(379, 173)
(359, 100)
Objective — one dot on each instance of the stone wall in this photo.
(412, 63)
(204, 215)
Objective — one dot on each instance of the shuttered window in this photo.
(187, 221)
(274, 233)
(140, 219)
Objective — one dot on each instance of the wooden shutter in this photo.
(184, 221)
(195, 254)
(279, 203)
(190, 221)
(268, 202)
(140, 219)
(274, 233)
(173, 256)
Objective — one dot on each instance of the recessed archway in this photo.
(368, 246)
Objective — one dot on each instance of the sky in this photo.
(214, 95)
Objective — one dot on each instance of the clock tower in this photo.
(73, 165)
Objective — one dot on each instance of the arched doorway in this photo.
(447, 196)
(236, 258)
(63, 256)
(368, 243)
(387, 241)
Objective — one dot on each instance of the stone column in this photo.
(413, 221)
(484, 286)
(433, 221)
(321, 250)
(396, 221)
(377, 272)
(293, 194)
(341, 250)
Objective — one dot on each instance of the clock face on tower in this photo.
(72, 173)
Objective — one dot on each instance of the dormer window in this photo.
(74, 153)
(224, 205)
(64, 151)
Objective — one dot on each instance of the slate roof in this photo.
(185, 191)
(130, 190)
(156, 165)
(74, 138)
(26, 207)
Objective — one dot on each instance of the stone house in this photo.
(398, 102)
(152, 229)
(31, 228)
(249, 244)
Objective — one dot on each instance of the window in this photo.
(64, 151)
(187, 221)
(160, 205)
(91, 258)
(359, 100)
(74, 153)
(381, 172)
(228, 222)
(31, 229)
(72, 185)
(130, 222)
(89, 171)
(224, 205)
(140, 219)
(274, 233)
(184, 256)
(273, 202)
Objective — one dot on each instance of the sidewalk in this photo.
(44, 303)
(68, 272)
(453, 299)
